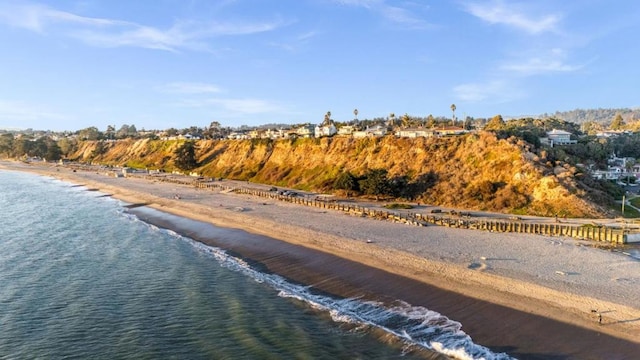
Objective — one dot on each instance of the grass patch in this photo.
(635, 202)
(629, 212)
(398, 206)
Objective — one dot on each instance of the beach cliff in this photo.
(474, 171)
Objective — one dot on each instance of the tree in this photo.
(355, 114)
(628, 165)
(392, 119)
(453, 110)
(375, 182)
(327, 119)
(127, 131)
(111, 132)
(185, 156)
(406, 120)
(172, 132)
(496, 123)
(431, 121)
(91, 133)
(67, 146)
(38, 148)
(213, 131)
(6, 144)
(346, 181)
(53, 151)
(591, 127)
(617, 123)
(21, 147)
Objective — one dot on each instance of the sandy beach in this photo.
(560, 279)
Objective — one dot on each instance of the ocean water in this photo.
(80, 277)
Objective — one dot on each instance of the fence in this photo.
(589, 232)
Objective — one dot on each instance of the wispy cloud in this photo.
(103, 32)
(553, 62)
(36, 17)
(496, 91)
(511, 14)
(189, 88)
(295, 43)
(395, 14)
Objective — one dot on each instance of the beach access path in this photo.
(561, 278)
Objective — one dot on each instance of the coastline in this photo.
(402, 251)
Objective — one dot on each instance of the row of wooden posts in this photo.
(589, 232)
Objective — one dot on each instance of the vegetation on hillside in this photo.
(481, 171)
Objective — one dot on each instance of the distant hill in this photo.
(602, 116)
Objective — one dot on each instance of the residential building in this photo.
(306, 131)
(558, 137)
(415, 132)
(375, 131)
(325, 130)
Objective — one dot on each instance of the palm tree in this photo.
(392, 119)
(453, 110)
(355, 113)
(406, 120)
(327, 118)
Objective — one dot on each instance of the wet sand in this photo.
(502, 329)
(514, 301)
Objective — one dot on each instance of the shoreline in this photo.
(523, 335)
(518, 291)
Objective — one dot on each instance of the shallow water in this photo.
(80, 277)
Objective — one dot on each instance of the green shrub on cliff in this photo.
(185, 156)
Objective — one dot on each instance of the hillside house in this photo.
(612, 173)
(306, 131)
(257, 134)
(449, 131)
(415, 133)
(376, 131)
(346, 130)
(606, 134)
(325, 130)
(275, 134)
(237, 135)
(558, 137)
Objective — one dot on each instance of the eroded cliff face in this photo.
(476, 171)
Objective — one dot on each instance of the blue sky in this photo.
(67, 65)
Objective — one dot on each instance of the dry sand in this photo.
(555, 277)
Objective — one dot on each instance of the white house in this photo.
(326, 130)
(376, 131)
(449, 131)
(605, 134)
(306, 131)
(415, 132)
(275, 134)
(558, 137)
(346, 130)
(237, 136)
(613, 173)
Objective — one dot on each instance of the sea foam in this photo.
(414, 325)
